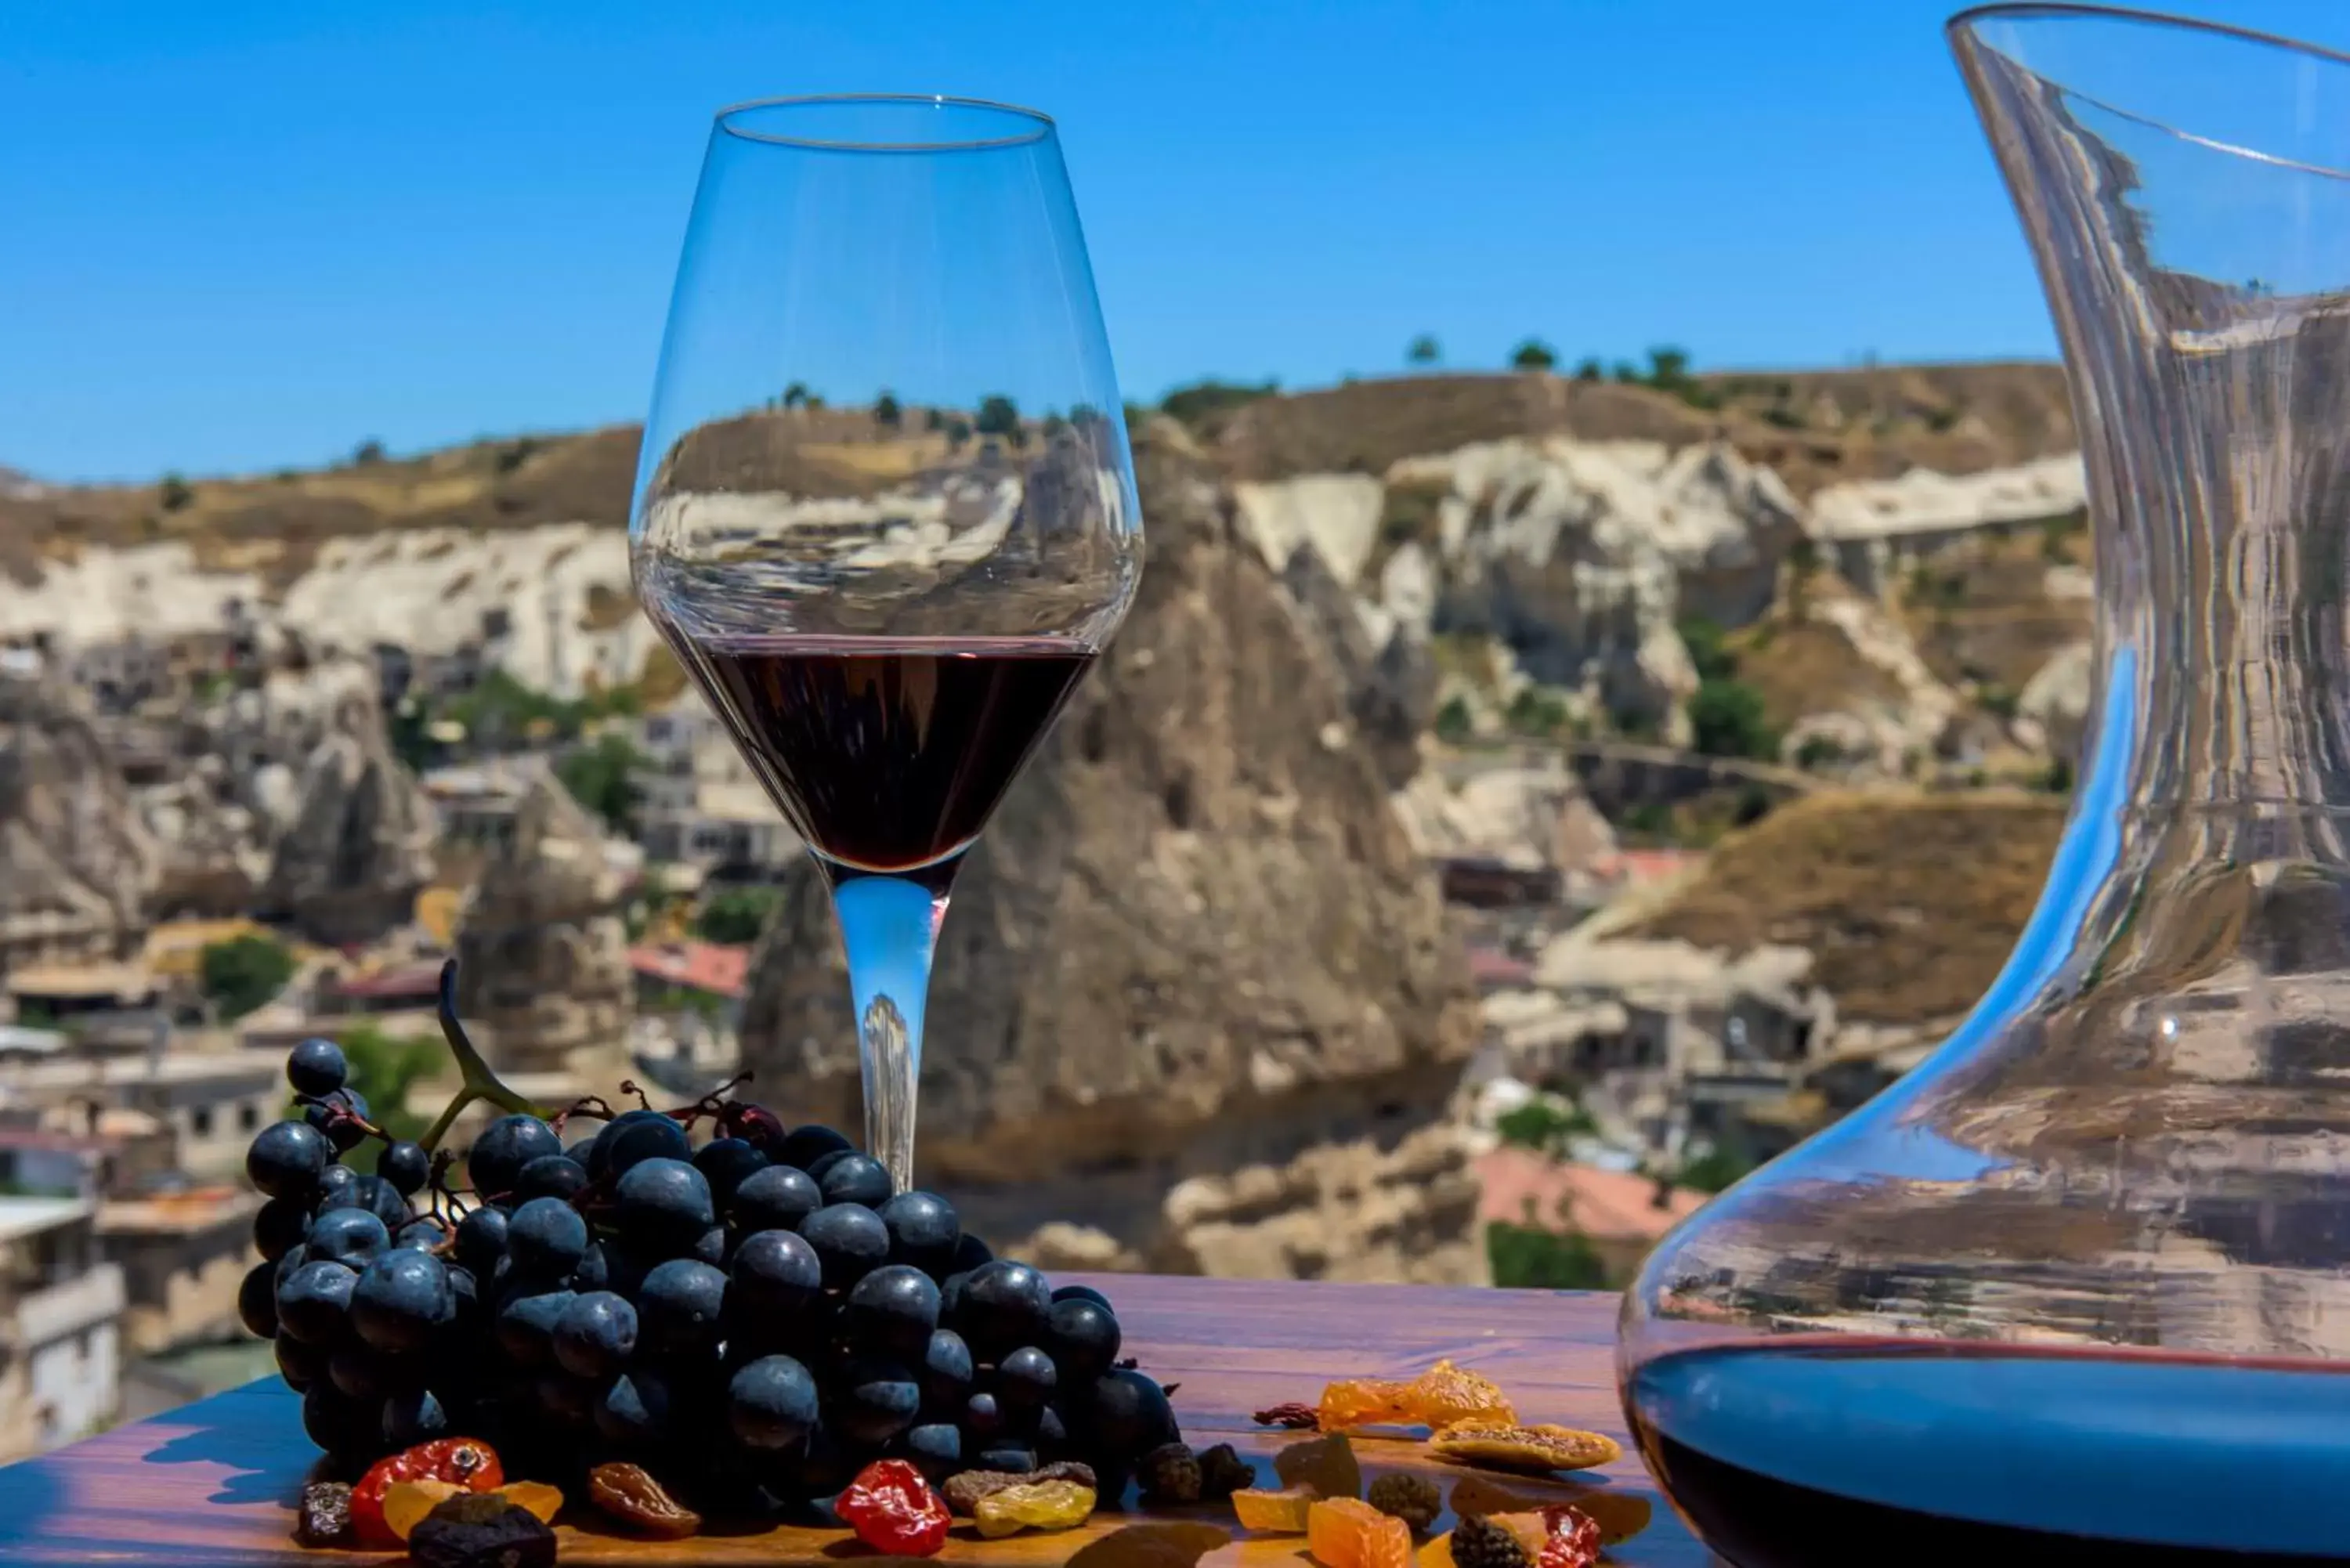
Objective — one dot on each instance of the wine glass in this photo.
(885, 509)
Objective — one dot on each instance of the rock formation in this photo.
(542, 947)
(352, 829)
(1196, 1000)
(76, 862)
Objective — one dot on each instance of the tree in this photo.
(602, 778)
(958, 433)
(735, 915)
(998, 415)
(175, 492)
(1709, 653)
(887, 413)
(1726, 720)
(368, 452)
(241, 973)
(385, 1068)
(795, 394)
(934, 419)
(1528, 1257)
(1534, 353)
(1423, 351)
(1668, 367)
(1587, 370)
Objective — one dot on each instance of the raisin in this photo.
(1328, 1464)
(469, 1531)
(1347, 1532)
(326, 1515)
(964, 1490)
(1302, 1417)
(1222, 1473)
(1170, 1473)
(1040, 1505)
(1412, 1498)
(630, 1495)
(894, 1509)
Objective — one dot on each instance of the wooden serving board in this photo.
(215, 1483)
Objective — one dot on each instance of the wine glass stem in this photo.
(890, 926)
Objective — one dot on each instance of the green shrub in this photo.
(241, 973)
(1453, 720)
(1535, 711)
(887, 413)
(736, 915)
(385, 1068)
(1587, 370)
(1543, 1127)
(1726, 720)
(1711, 1171)
(998, 416)
(175, 492)
(601, 776)
(1423, 351)
(1207, 401)
(1707, 650)
(1534, 353)
(1528, 1257)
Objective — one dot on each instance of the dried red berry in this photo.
(467, 1461)
(1573, 1541)
(894, 1509)
(1300, 1418)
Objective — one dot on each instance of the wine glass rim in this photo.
(1037, 125)
(1968, 21)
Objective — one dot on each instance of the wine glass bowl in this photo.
(885, 509)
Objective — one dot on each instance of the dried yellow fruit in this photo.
(1446, 1395)
(1530, 1448)
(1279, 1513)
(405, 1503)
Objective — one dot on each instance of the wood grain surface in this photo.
(215, 1483)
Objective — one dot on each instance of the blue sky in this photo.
(236, 237)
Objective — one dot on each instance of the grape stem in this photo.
(479, 1082)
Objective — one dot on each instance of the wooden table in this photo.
(215, 1483)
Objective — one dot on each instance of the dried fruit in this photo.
(1531, 1449)
(894, 1509)
(1279, 1513)
(1621, 1515)
(629, 1494)
(1170, 1473)
(1040, 1505)
(1300, 1417)
(1222, 1473)
(1479, 1541)
(1328, 1464)
(467, 1461)
(1347, 1532)
(1410, 1498)
(1446, 1395)
(964, 1490)
(1573, 1539)
(405, 1503)
(326, 1515)
(469, 1531)
(543, 1501)
(1363, 1402)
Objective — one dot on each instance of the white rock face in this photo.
(1337, 514)
(1528, 817)
(2053, 707)
(427, 589)
(1876, 528)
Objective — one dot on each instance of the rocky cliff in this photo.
(1195, 999)
(77, 864)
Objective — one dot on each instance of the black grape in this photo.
(879, 1399)
(425, 1234)
(632, 1137)
(312, 1301)
(382, 1199)
(596, 1334)
(772, 1402)
(853, 1178)
(804, 1146)
(680, 1307)
(1079, 1293)
(256, 1300)
(946, 1371)
(411, 1417)
(635, 1408)
(892, 1312)
(824, 1162)
(315, 1067)
(481, 1239)
(970, 1254)
(570, 1400)
(525, 1328)
(936, 1449)
(664, 1206)
(1025, 1379)
(400, 1299)
(300, 1365)
(546, 1238)
(336, 1185)
(1083, 1335)
(849, 1240)
(1006, 1457)
(506, 1145)
(343, 1129)
(923, 1231)
(724, 1162)
(549, 1176)
(285, 1158)
(1128, 1416)
(776, 1199)
(405, 1164)
(365, 1373)
(281, 1222)
(712, 1248)
(774, 1275)
(350, 1429)
(982, 1415)
(1002, 1306)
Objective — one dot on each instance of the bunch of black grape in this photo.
(752, 1321)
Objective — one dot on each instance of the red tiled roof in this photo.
(414, 979)
(1605, 1205)
(714, 967)
(1490, 966)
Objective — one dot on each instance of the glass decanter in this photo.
(2076, 1288)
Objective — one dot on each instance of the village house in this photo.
(61, 1308)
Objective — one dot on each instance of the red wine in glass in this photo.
(889, 756)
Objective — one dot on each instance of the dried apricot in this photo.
(1445, 1395)
(1328, 1464)
(543, 1501)
(405, 1503)
(1347, 1532)
(1532, 1449)
(1039, 1505)
(1280, 1512)
(1363, 1402)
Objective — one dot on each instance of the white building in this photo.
(61, 1309)
(698, 802)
